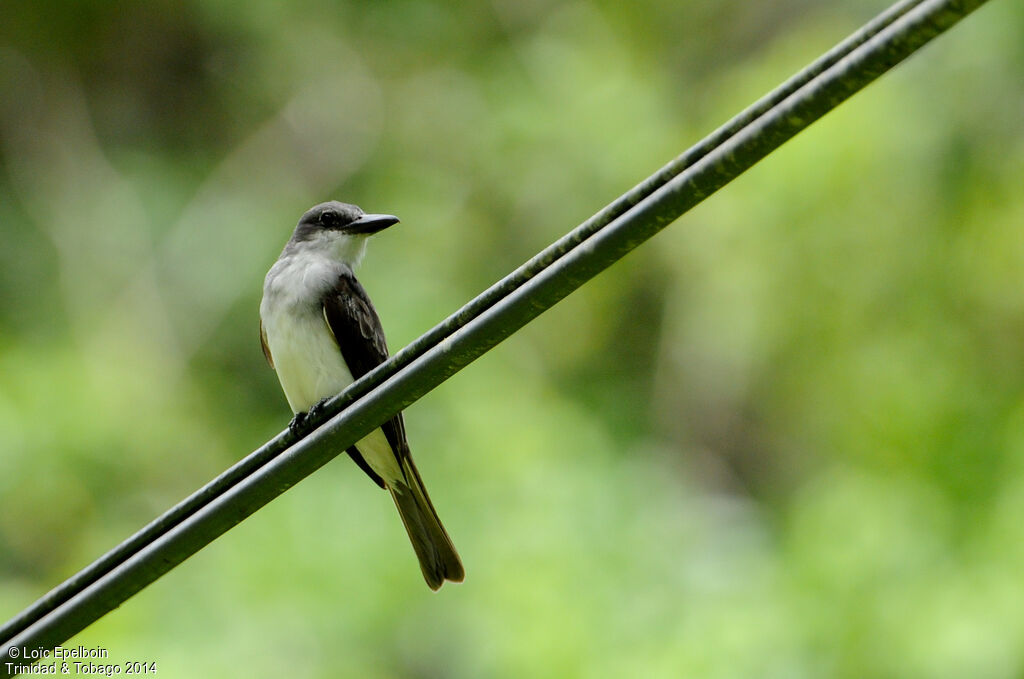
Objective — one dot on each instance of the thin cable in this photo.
(220, 505)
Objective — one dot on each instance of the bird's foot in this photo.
(300, 424)
(317, 410)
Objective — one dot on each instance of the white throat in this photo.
(340, 247)
(350, 249)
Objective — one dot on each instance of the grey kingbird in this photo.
(320, 332)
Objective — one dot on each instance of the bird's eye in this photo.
(328, 218)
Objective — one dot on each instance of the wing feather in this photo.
(357, 330)
(266, 347)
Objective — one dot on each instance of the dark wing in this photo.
(358, 332)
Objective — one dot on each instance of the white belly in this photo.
(310, 367)
(307, 359)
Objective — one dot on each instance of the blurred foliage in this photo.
(784, 439)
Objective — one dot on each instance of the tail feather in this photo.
(438, 559)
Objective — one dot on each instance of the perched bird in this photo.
(320, 332)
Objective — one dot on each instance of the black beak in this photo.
(370, 224)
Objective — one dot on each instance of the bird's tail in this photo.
(438, 559)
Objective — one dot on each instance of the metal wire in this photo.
(483, 322)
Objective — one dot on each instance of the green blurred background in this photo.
(784, 439)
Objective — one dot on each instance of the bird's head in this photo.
(340, 230)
